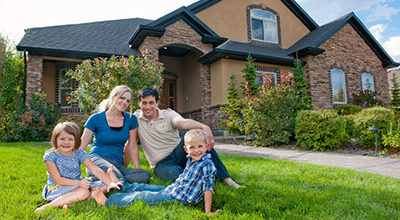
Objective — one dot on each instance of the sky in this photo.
(381, 17)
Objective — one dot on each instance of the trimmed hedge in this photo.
(348, 109)
(320, 129)
(379, 117)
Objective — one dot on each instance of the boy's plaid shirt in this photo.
(197, 177)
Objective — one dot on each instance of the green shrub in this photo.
(348, 109)
(271, 117)
(233, 119)
(366, 99)
(320, 129)
(392, 137)
(379, 117)
(96, 79)
(34, 123)
(350, 127)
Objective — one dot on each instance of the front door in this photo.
(168, 94)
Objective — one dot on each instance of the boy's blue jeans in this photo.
(150, 194)
(173, 165)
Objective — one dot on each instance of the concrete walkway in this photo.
(379, 165)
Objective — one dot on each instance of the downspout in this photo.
(24, 90)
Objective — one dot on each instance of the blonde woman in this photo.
(112, 127)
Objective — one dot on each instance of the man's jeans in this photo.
(172, 166)
(150, 194)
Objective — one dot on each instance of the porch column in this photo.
(34, 75)
(205, 83)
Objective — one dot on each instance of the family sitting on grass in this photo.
(191, 162)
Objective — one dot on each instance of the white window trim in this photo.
(264, 19)
(344, 87)
(362, 82)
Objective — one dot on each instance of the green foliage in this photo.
(366, 99)
(98, 77)
(379, 117)
(347, 109)
(233, 120)
(395, 101)
(271, 117)
(11, 77)
(31, 124)
(320, 129)
(302, 87)
(392, 137)
(250, 86)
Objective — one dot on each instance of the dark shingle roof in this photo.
(103, 38)
(240, 51)
(311, 42)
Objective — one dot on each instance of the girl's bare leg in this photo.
(67, 199)
(111, 174)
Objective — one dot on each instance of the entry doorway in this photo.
(168, 94)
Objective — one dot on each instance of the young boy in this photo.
(196, 181)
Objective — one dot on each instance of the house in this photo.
(203, 44)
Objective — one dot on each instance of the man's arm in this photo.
(187, 124)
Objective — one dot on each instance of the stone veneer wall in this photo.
(181, 34)
(346, 51)
(34, 75)
(213, 114)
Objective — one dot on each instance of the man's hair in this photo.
(70, 128)
(195, 133)
(148, 92)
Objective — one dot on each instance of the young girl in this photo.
(65, 185)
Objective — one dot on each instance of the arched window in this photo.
(263, 26)
(338, 87)
(367, 82)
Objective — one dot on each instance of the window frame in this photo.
(343, 85)
(362, 82)
(260, 80)
(263, 26)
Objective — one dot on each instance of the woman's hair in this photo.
(70, 128)
(117, 92)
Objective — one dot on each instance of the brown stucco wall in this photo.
(346, 51)
(228, 19)
(49, 82)
(221, 72)
(191, 89)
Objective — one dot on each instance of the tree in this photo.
(11, 76)
(250, 76)
(395, 102)
(96, 78)
(302, 87)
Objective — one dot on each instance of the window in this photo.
(262, 77)
(367, 82)
(65, 88)
(338, 87)
(263, 26)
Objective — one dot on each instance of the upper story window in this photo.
(367, 82)
(338, 87)
(264, 26)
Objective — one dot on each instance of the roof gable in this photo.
(312, 41)
(157, 28)
(295, 8)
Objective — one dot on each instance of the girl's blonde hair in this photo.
(70, 128)
(117, 92)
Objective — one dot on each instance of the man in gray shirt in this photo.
(159, 137)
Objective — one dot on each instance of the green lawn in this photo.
(276, 190)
